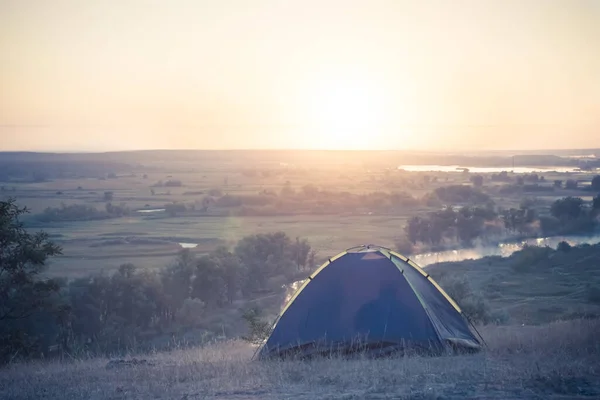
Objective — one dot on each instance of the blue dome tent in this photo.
(373, 300)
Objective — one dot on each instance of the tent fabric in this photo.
(369, 299)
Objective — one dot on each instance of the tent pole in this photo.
(478, 334)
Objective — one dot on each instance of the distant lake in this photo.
(151, 211)
(483, 170)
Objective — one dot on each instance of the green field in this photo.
(150, 240)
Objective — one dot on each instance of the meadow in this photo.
(150, 236)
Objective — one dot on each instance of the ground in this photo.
(556, 361)
(531, 355)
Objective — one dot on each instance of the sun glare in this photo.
(347, 114)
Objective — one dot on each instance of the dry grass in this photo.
(559, 360)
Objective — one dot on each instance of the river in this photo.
(503, 249)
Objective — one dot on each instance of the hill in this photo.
(544, 344)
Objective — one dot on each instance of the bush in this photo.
(473, 305)
(117, 211)
(191, 312)
(564, 247)
(477, 180)
(571, 184)
(501, 177)
(72, 212)
(461, 194)
(258, 330)
(173, 183)
(567, 208)
(175, 208)
(530, 257)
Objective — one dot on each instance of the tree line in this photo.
(462, 225)
(104, 313)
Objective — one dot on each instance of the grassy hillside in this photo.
(534, 286)
(556, 361)
(546, 346)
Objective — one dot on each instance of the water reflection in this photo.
(502, 249)
(483, 170)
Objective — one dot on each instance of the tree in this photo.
(558, 183)
(596, 203)
(517, 220)
(108, 196)
(571, 184)
(567, 208)
(413, 229)
(177, 281)
(596, 183)
(300, 250)
(265, 256)
(477, 180)
(23, 289)
(230, 270)
(209, 283)
(563, 246)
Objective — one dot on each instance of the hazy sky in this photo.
(125, 74)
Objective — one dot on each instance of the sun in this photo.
(347, 113)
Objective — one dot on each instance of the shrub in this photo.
(175, 208)
(501, 177)
(473, 305)
(173, 183)
(567, 208)
(477, 180)
(72, 212)
(461, 194)
(564, 247)
(191, 312)
(258, 330)
(571, 184)
(117, 211)
(530, 256)
(229, 201)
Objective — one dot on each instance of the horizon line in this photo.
(412, 150)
